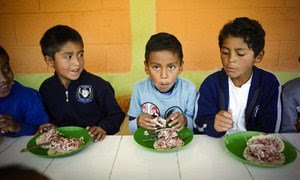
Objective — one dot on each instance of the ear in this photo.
(181, 67)
(146, 67)
(259, 57)
(49, 61)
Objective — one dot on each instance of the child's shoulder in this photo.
(263, 76)
(24, 90)
(184, 83)
(143, 83)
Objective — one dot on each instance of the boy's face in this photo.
(68, 62)
(238, 60)
(163, 67)
(6, 77)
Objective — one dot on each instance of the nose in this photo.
(76, 61)
(164, 73)
(2, 77)
(232, 58)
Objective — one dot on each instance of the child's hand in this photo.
(45, 127)
(8, 124)
(223, 121)
(146, 121)
(177, 121)
(97, 132)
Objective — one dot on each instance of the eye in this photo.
(68, 57)
(224, 52)
(6, 70)
(240, 54)
(155, 67)
(80, 55)
(171, 67)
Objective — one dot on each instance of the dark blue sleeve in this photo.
(207, 107)
(34, 115)
(266, 115)
(114, 115)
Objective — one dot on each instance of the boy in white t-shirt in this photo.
(241, 96)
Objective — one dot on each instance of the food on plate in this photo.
(160, 122)
(57, 143)
(167, 133)
(265, 149)
(64, 145)
(167, 139)
(47, 137)
(168, 143)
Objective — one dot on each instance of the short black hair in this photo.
(163, 41)
(248, 29)
(3, 53)
(55, 37)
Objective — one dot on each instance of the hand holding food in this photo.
(146, 121)
(177, 121)
(8, 124)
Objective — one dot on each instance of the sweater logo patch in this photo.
(84, 93)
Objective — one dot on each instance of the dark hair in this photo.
(3, 53)
(248, 29)
(14, 172)
(163, 41)
(55, 37)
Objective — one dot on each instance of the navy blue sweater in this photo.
(88, 101)
(263, 110)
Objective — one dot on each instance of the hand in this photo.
(45, 127)
(8, 124)
(146, 121)
(223, 121)
(177, 121)
(97, 132)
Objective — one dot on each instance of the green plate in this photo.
(139, 136)
(67, 131)
(235, 143)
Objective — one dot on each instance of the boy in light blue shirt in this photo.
(163, 93)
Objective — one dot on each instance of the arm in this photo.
(289, 113)
(190, 107)
(266, 114)
(110, 107)
(206, 109)
(134, 111)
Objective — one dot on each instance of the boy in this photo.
(73, 96)
(163, 93)
(21, 108)
(241, 96)
(290, 106)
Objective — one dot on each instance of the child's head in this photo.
(163, 60)
(62, 48)
(6, 74)
(241, 43)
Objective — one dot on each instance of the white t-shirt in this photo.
(238, 97)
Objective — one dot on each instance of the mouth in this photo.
(230, 69)
(4, 88)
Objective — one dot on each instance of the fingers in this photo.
(177, 121)
(96, 132)
(223, 121)
(146, 121)
(7, 124)
(46, 127)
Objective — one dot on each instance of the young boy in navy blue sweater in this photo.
(240, 97)
(21, 108)
(73, 96)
